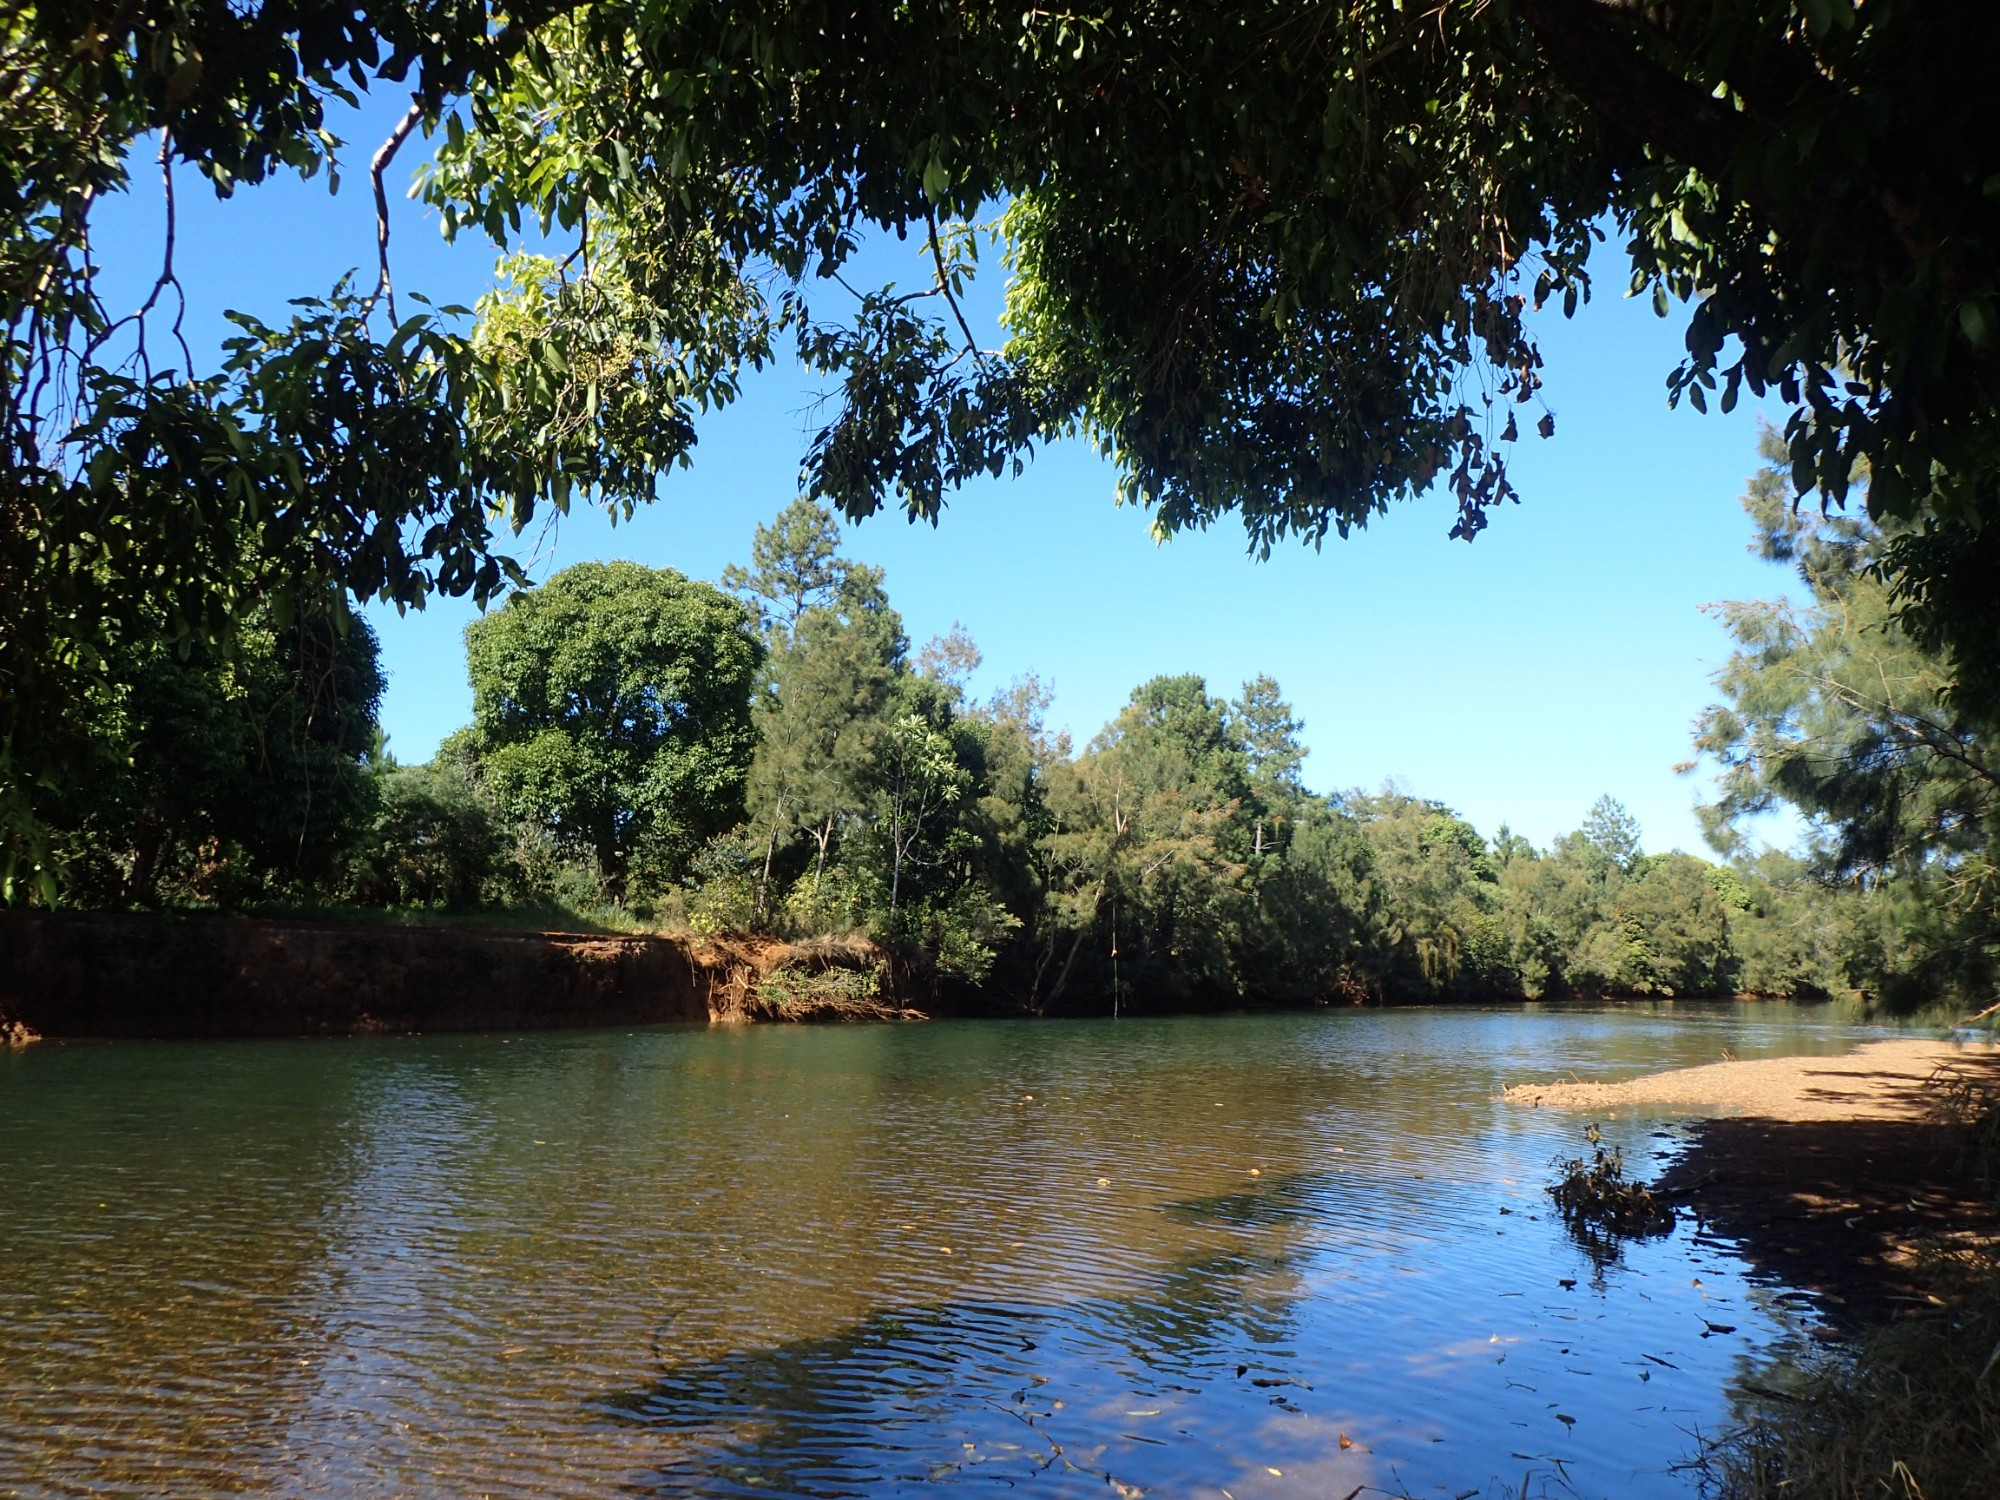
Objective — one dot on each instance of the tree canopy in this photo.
(214, 777)
(648, 751)
(1833, 708)
(611, 705)
(1279, 260)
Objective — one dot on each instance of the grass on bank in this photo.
(541, 917)
(1909, 1410)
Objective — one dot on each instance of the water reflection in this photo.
(982, 1394)
(1176, 1256)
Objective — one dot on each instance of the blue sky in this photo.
(1562, 655)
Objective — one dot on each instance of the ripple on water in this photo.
(1167, 1256)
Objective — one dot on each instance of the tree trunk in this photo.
(1062, 979)
(611, 872)
(897, 795)
(895, 865)
(143, 884)
(770, 853)
(824, 835)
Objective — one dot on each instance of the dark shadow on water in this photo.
(1285, 1200)
(977, 1394)
(1837, 1208)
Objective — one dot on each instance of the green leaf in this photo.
(937, 180)
(1975, 317)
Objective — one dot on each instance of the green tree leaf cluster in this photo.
(611, 706)
(1279, 261)
(218, 777)
(435, 840)
(1833, 707)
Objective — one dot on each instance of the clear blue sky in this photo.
(1562, 655)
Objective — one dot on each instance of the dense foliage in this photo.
(220, 777)
(1277, 259)
(648, 750)
(611, 709)
(1833, 708)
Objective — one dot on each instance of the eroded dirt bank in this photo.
(1831, 1174)
(114, 975)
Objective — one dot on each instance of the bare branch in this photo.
(166, 278)
(377, 166)
(944, 282)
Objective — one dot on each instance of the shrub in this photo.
(433, 842)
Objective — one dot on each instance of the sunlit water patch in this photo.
(1266, 1256)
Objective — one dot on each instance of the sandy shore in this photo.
(1879, 1081)
(1825, 1172)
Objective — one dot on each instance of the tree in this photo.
(1317, 906)
(612, 705)
(1612, 829)
(1437, 930)
(1664, 931)
(1156, 840)
(1262, 254)
(1510, 847)
(820, 720)
(1263, 721)
(1015, 820)
(349, 452)
(1833, 707)
(433, 841)
(950, 660)
(921, 781)
(795, 564)
(1355, 207)
(220, 777)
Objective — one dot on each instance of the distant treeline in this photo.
(771, 756)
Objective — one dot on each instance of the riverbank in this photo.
(186, 975)
(1832, 1174)
(1870, 1182)
(1879, 1081)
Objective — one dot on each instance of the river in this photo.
(1243, 1256)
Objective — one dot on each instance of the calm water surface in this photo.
(1183, 1257)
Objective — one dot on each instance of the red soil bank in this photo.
(90, 974)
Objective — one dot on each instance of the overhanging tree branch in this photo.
(944, 283)
(1592, 47)
(377, 166)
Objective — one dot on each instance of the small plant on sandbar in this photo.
(1600, 1203)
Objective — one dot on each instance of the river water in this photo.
(1243, 1256)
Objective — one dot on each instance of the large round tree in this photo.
(612, 704)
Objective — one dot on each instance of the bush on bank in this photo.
(777, 759)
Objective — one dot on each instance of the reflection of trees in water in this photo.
(1292, 1199)
(393, 1269)
(1604, 1245)
(984, 1393)
(492, 1227)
